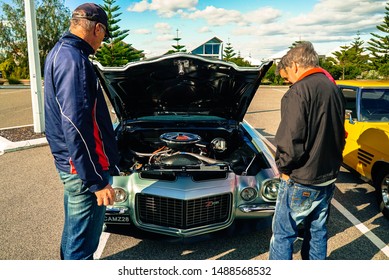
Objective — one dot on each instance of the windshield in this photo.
(375, 105)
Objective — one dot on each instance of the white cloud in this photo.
(139, 7)
(266, 30)
(216, 16)
(165, 37)
(165, 8)
(163, 27)
(142, 31)
(263, 15)
(330, 13)
(204, 29)
(330, 23)
(221, 17)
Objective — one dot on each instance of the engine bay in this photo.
(200, 149)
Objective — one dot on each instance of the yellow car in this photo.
(367, 134)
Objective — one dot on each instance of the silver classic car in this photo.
(190, 164)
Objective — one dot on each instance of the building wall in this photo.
(211, 48)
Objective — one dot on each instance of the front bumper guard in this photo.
(267, 208)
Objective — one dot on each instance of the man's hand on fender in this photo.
(105, 196)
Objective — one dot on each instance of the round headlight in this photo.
(120, 195)
(270, 188)
(248, 194)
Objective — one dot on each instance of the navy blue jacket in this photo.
(78, 125)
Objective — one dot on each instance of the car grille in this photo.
(183, 214)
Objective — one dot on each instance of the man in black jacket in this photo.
(310, 140)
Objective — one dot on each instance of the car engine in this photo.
(145, 150)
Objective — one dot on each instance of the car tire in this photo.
(382, 189)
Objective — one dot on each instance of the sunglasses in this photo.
(106, 37)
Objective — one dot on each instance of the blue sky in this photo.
(256, 28)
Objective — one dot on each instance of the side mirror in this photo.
(349, 116)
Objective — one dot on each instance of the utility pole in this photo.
(34, 66)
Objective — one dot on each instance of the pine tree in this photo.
(116, 52)
(177, 47)
(379, 46)
(358, 60)
(342, 59)
(240, 61)
(229, 52)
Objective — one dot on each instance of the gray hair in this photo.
(280, 65)
(86, 24)
(303, 53)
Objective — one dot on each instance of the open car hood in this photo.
(181, 84)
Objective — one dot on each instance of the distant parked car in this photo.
(190, 164)
(367, 134)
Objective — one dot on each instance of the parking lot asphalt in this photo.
(16, 111)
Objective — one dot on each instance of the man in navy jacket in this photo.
(79, 131)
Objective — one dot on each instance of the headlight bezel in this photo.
(120, 192)
(250, 191)
(270, 188)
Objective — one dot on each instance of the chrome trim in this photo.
(116, 210)
(257, 208)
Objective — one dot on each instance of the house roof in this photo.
(212, 40)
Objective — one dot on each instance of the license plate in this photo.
(117, 219)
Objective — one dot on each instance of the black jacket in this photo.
(310, 138)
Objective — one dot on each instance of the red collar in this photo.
(310, 72)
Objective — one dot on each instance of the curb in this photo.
(9, 146)
(14, 86)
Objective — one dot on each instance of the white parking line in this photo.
(362, 228)
(103, 241)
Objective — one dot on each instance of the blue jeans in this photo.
(296, 204)
(84, 219)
